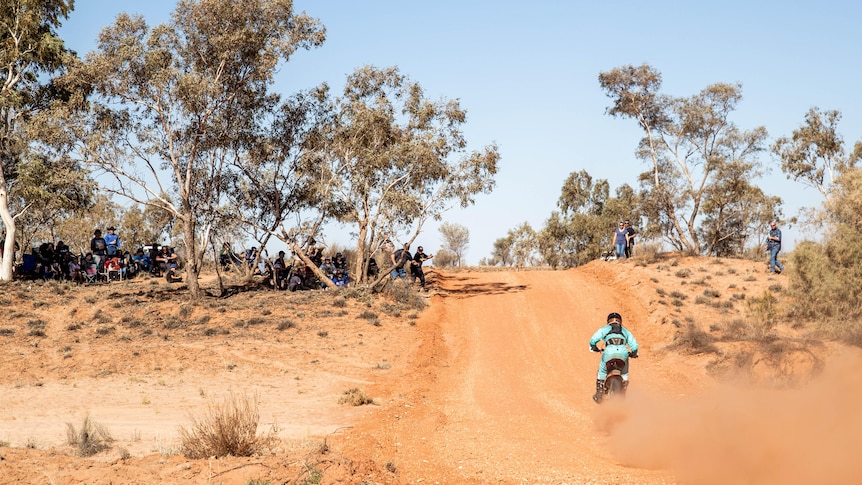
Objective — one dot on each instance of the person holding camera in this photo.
(416, 271)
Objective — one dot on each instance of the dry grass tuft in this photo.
(228, 429)
(92, 438)
(691, 339)
(355, 397)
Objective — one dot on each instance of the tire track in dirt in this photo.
(503, 391)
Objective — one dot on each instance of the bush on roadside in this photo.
(227, 429)
(90, 439)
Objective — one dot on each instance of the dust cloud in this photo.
(807, 435)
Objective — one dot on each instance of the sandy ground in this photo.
(491, 383)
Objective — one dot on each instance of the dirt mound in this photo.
(490, 384)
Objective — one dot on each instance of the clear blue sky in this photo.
(527, 73)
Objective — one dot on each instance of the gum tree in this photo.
(31, 55)
(689, 143)
(814, 153)
(177, 102)
(396, 158)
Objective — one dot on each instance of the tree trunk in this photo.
(360, 262)
(7, 264)
(192, 266)
(323, 278)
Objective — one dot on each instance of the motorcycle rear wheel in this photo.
(614, 387)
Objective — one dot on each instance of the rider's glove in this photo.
(593, 348)
(633, 355)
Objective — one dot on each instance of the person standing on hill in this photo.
(630, 239)
(399, 259)
(773, 246)
(112, 240)
(99, 248)
(620, 240)
(416, 267)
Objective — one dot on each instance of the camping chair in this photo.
(90, 274)
(113, 270)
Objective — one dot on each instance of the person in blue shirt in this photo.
(620, 240)
(773, 245)
(112, 240)
(619, 344)
(340, 279)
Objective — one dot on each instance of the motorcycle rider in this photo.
(619, 344)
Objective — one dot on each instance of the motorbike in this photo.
(615, 386)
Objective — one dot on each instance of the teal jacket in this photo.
(613, 350)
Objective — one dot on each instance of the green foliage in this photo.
(192, 93)
(695, 193)
(814, 154)
(395, 158)
(456, 239)
(33, 174)
(583, 227)
(826, 277)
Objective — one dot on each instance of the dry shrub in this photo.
(648, 252)
(762, 312)
(228, 429)
(401, 293)
(693, 340)
(92, 438)
(355, 397)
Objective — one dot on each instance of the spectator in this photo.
(630, 239)
(316, 256)
(340, 279)
(75, 270)
(328, 268)
(296, 282)
(340, 262)
(99, 248)
(167, 260)
(113, 268)
(620, 240)
(90, 267)
(373, 269)
(399, 259)
(280, 270)
(64, 256)
(112, 242)
(773, 245)
(416, 271)
(251, 258)
(141, 261)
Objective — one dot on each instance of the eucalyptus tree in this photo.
(582, 228)
(814, 153)
(456, 239)
(278, 187)
(688, 143)
(31, 56)
(177, 103)
(396, 158)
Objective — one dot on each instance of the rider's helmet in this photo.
(616, 322)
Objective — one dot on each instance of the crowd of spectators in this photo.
(105, 261)
(108, 260)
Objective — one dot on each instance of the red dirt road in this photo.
(500, 392)
(490, 385)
